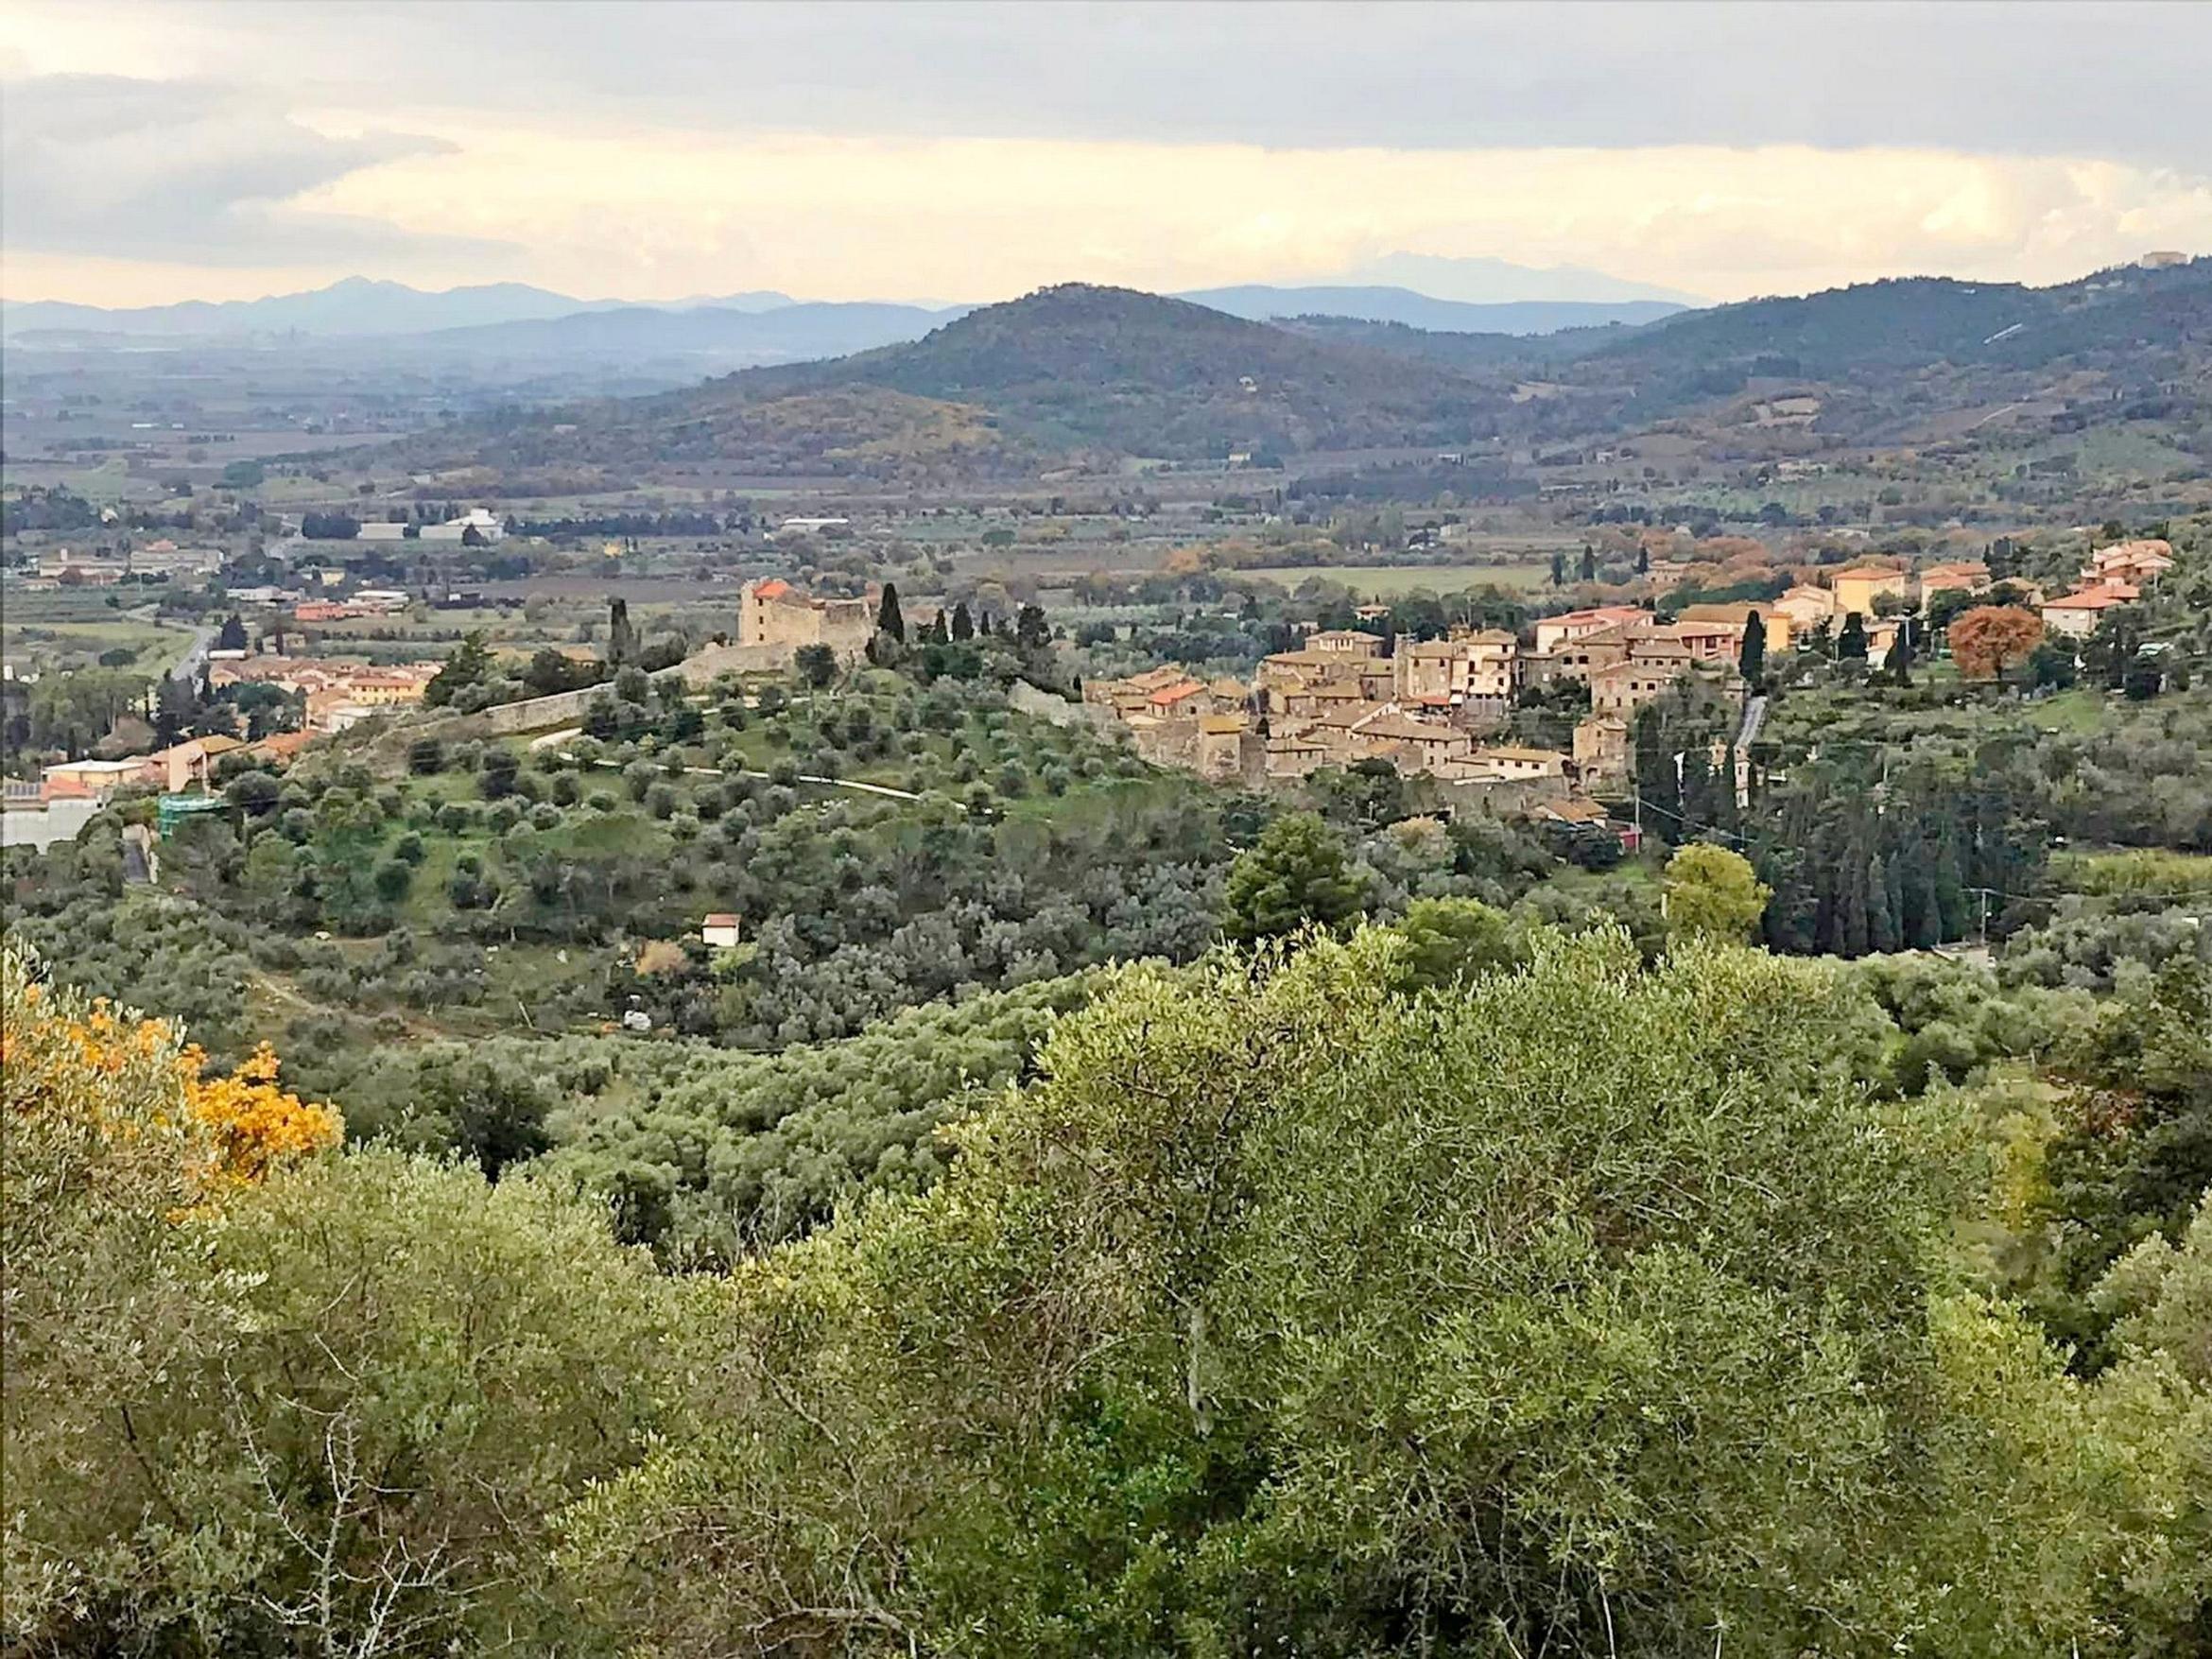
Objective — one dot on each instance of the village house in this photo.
(1345, 642)
(164, 557)
(82, 570)
(2136, 561)
(1292, 756)
(1622, 688)
(1223, 742)
(1781, 630)
(93, 779)
(1133, 695)
(2077, 615)
(1858, 586)
(1807, 608)
(1518, 762)
(719, 929)
(1472, 673)
(484, 527)
(1969, 577)
(1424, 745)
(1602, 747)
(1304, 680)
(1578, 812)
(1554, 632)
(178, 766)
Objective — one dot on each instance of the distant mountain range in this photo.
(1417, 310)
(1494, 282)
(514, 317)
(720, 336)
(354, 307)
(1076, 372)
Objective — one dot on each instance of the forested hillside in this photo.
(1077, 373)
(1580, 1303)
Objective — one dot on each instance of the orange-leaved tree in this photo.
(1989, 639)
(254, 1123)
(104, 1107)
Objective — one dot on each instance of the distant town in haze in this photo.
(1435, 880)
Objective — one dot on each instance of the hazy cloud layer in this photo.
(970, 151)
(159, 169)
(2113, 79)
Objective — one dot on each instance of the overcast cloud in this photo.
(955, 149)
(167, 169)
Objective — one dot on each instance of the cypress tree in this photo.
(1751, 660)
(1923, 918)
(887, 619)
(1886, 913)
(1656, 780)
(1589, 562)
(1900, 660)
(621, 634)
(964, 625)
(1558, 568)
(1853, 923)
(1851, 642)
(1944, 876)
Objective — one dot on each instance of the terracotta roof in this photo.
(1346, 719)
(282, 745)
(1613, 613)
(1399, 729)
(2096, 599)
(1572, 811)
(1168, 696)
(720, 919)
(1153, 679)
(1221, 725)
(775, 588)
(1511, 753)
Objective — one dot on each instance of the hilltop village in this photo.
(1443, 708)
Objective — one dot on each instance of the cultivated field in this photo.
(1386, 580)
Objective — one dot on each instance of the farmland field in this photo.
(1382, 580)
(36, 643)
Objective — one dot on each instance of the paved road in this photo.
(194, 659)
(1755, 717)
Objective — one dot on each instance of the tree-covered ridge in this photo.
(1077, 365)
(1075, 371)
(1584, 1302)
(710, 1153)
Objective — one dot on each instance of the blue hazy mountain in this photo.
(356, 306)
(1261, 304)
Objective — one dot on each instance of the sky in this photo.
(650, 149)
